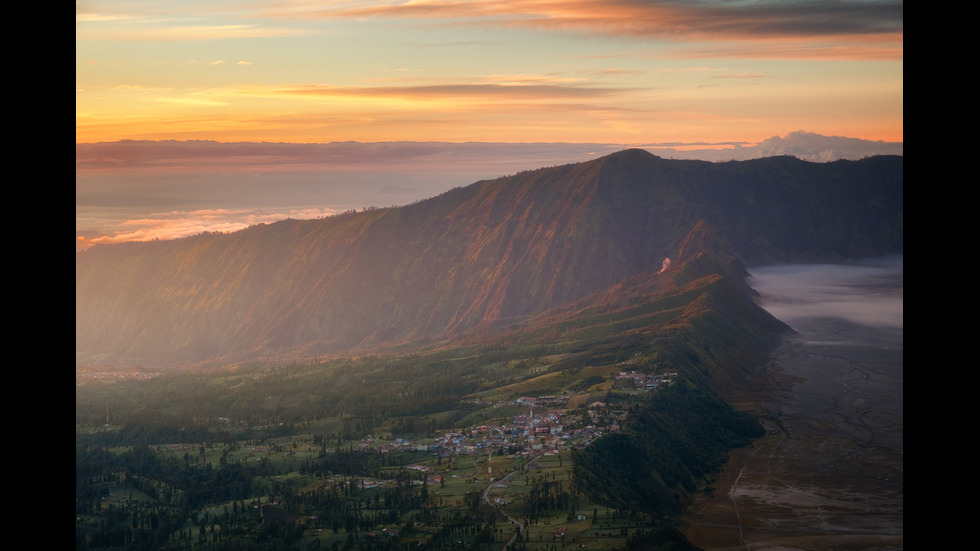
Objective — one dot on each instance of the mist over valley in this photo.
(864, 291)
(830, 473)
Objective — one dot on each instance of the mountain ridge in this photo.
(481, 256)
(121, 188)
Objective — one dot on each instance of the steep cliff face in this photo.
(484, 256)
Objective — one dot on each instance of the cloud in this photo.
(855, 29)
(143, 190)
(665, 19)
(135, 88)
(868, 293)
(765, 29)
(740, 75)
(205, 156)
(140, 190)
(457, 90)
(883, 48)
(218, 32)
(191, 101)
(98, 17)
(178, 224)
(165, 27)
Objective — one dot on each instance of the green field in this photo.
(393, 451)
(376, 481)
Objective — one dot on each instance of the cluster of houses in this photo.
(644, 381)
(542, 428)
(84, 377)
(545, 426)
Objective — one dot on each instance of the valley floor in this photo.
(830, 472)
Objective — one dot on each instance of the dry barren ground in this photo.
(830, 473)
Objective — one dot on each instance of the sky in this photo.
(598, 74)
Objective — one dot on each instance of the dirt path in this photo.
(830, 473)
(518, 525)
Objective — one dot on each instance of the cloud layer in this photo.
(869, 293)
(689, 20)
(142, 190)
(480, 70)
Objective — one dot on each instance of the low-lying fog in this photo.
(868, 293)
(836, 480)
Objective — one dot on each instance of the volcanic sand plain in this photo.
(830, 473)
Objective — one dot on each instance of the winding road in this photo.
(519, 526)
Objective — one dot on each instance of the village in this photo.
(520, 446)
(547, 427)
(543, 426)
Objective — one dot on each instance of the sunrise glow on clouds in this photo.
(177, 224)
(304, 71)
(573, 71)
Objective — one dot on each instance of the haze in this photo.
(145, 190)
(868, 293)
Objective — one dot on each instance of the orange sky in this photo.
(611, 71)
(600, 74)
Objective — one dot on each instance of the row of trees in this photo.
(671, 445)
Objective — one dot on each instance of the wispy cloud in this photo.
(705, 19)
(178, 224)
(219, 32)
(101, 17)
(192, 32)
(142, 190)
(193, 101)
(159, 22)
(583, 70)
(458, 90)
(740, 75)
(864, 48)
(216, 157)
(855, 22)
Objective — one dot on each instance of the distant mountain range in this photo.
(539, 247)
(807, 146)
